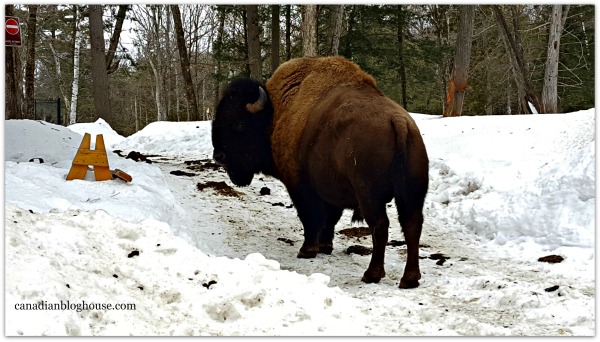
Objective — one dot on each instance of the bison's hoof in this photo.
(408, 284)
(373, 276)
(410, 280)
(326, 248)
(307, 253)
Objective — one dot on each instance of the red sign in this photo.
(13, 31)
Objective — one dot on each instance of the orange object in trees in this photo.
(96, 158)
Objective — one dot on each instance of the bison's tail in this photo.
(410, 167)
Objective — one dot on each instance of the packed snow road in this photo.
(468, 286)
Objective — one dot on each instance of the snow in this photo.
(504, 191)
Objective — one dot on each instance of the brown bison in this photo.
(336, 142)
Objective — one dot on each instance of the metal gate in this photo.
(48, 110)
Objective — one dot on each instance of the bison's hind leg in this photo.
(374, 212)
(412, 223)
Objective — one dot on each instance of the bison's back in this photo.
(294, 89)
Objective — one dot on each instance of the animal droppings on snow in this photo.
(133, 253)
(182, 173)
(360, 250)
(220, 187)
(356, 232)
(288, 241)
(551, 259)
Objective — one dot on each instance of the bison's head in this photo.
(240, 131)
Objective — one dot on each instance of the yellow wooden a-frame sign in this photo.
(96, 158)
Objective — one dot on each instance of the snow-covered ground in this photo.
(504, 191)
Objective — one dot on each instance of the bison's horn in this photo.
(259, 104)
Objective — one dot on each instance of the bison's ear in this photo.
(259, 104)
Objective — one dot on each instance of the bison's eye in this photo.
(239, 127)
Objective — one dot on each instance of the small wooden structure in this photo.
(96, 158)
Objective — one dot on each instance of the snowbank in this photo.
(189, 139)
(42, 187)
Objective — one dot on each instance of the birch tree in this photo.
(75, 84)
(288, 32)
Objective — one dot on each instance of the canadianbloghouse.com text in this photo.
(75, 306)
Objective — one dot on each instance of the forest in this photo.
(446, 60)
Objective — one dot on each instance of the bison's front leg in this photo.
(312, 214)
(332, 216)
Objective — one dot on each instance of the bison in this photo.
(324, 129)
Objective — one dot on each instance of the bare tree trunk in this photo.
(185, 63)
(99, 77)
(204, 115)
(489, 109)
(401, 68)
(351, 25)
(515, 52)
(30, 64)
(550, 90)
(177, 102)
(254, 60)
(11, 79)
(158, 67)
(309, 30)
(462, 58)
(168, 70)
(336, 29)
(288, 34)
(246, 48)
(12, 107)
(114, 40)
(161, 113)
(508, 101)
(135, 112)
(218, 53)
(275, 37)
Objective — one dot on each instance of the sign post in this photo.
(13, 31)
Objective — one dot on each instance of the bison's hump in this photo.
(294, 89)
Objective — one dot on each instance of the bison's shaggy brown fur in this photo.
(336, 141)
(294, 89)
